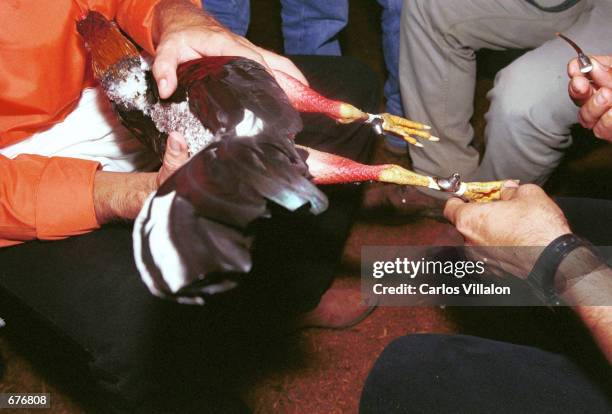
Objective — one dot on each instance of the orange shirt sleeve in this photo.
(136, 18)
(45, 198)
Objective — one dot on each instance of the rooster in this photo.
(191, 238)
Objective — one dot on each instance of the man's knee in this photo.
(511, 136)
(526, 104)
(510, 96)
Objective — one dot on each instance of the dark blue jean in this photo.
(309, 27)
(390, 25)
(233, 14)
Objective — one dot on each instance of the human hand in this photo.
(184, 32)
(177, 154)
(525, 216)
(593, 92)
(122, 195)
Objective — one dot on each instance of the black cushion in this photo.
(90, 304)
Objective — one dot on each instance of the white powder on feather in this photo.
(127, 87)
(178, 117)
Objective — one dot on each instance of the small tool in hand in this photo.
(586, 66)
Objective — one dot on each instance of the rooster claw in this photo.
(401, 127)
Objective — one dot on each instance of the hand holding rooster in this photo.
(121, 195)
(183, 32)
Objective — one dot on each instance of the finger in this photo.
(452, 208)
(164, 70)
(283, 64)
(594, 108)
(580, 89)
(601, 73)
(603, 128)
(509, 190)
(602, 59)
(225, 43)
(239, 46)
(573, 68)
(177, 151)
(253, 55)
(175, 156)
(529, 191)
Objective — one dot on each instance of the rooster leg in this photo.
(304, 99)
(328, 168)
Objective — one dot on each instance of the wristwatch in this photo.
(542, 276)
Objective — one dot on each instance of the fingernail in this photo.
(600, 99)
(511, 184)
(163, 84)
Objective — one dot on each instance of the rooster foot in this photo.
(408, 130)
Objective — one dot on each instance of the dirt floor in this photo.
(326, 372)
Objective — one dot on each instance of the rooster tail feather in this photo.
(193, 238)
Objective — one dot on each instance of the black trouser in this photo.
(589, 218)
(432, 373)
(151, 352)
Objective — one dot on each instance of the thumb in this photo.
(175, 156)
(601, 73)
(509, 190)
(164, 70)
(452, 207)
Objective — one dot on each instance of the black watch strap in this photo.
(542, 276)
